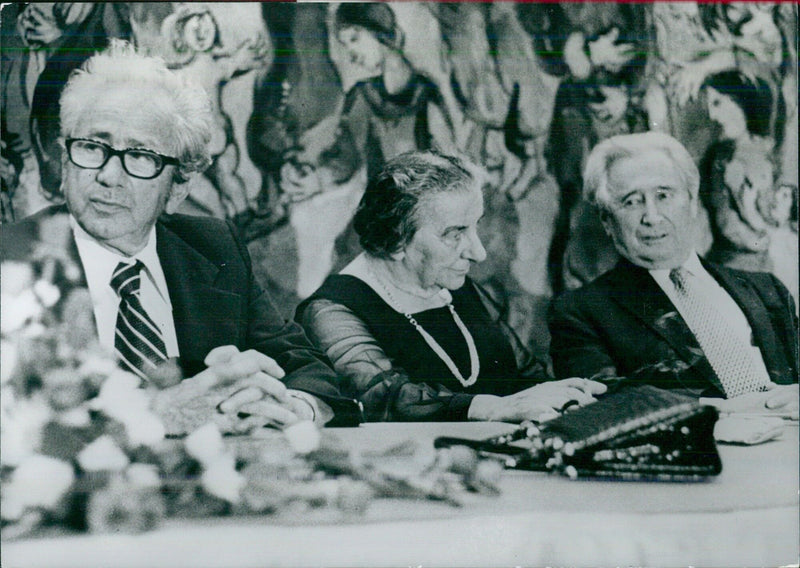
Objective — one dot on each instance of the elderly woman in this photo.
(406, 326)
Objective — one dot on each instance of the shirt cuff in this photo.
(321, 412)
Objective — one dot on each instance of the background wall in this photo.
(312, 98)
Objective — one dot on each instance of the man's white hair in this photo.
(609, 151)
(189, 106)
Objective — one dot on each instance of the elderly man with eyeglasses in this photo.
(168, 287)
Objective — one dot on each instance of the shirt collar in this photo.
(692, 265)
(99, 262)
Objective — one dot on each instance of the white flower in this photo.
(33, 330)
(8, 360)
(22, 422)
(77, 417)
(72, 272)
(122, 399)
(144, 429)
(102, 455)
(17, 310)
(38, 481)
(205, 444)
(119, 383)
(47, 292)
(143, 475)
(97, 364)
(120, 396)
(304, 436)
(16, 277)
(221, 479)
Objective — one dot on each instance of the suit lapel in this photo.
(752, 306)
(636, 291)
(205, 316)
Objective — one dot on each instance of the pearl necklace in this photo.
(474, 361)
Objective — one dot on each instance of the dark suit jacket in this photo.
(623, 325)
(216, 301)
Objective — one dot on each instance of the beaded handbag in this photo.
(638, 433)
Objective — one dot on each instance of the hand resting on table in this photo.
(778, 400)
(239, 391)
(540, 402)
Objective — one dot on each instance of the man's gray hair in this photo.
(120, 64)
(607, 152)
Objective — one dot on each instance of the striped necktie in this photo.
(728, 355)
(138, 341)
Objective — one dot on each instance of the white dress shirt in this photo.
(721, 301)
(99, 264)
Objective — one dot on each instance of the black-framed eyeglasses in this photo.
(139, 163)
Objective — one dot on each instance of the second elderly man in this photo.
(663, 315)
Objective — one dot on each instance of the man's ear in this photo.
(694, 206)
(606, 219)
(177, 193)
(64, 156)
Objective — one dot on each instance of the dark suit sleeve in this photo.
(783, 316)
(306, 368)
(576, 349)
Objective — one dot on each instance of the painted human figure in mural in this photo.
(586, 113)
(783, 238)
(403, 99)
(598, 52)
(195, 51)
(312, 172)
(695, 41)
(59, 37)
(748, 207)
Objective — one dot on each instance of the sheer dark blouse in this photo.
(389, 367)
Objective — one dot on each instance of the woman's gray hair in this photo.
(120, 64)
(387, 216)
(609, 151)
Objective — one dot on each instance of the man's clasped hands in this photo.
(239, 390)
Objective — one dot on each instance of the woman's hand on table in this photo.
(540, 402)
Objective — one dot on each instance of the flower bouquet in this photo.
(86, 446)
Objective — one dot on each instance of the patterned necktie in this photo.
(731, 359)
(137, 341)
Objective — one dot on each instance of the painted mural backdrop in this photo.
(310, 99)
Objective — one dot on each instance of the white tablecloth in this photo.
(747, 516)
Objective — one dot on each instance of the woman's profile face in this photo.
(723, 110)
(362, 47)
(446, 242)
